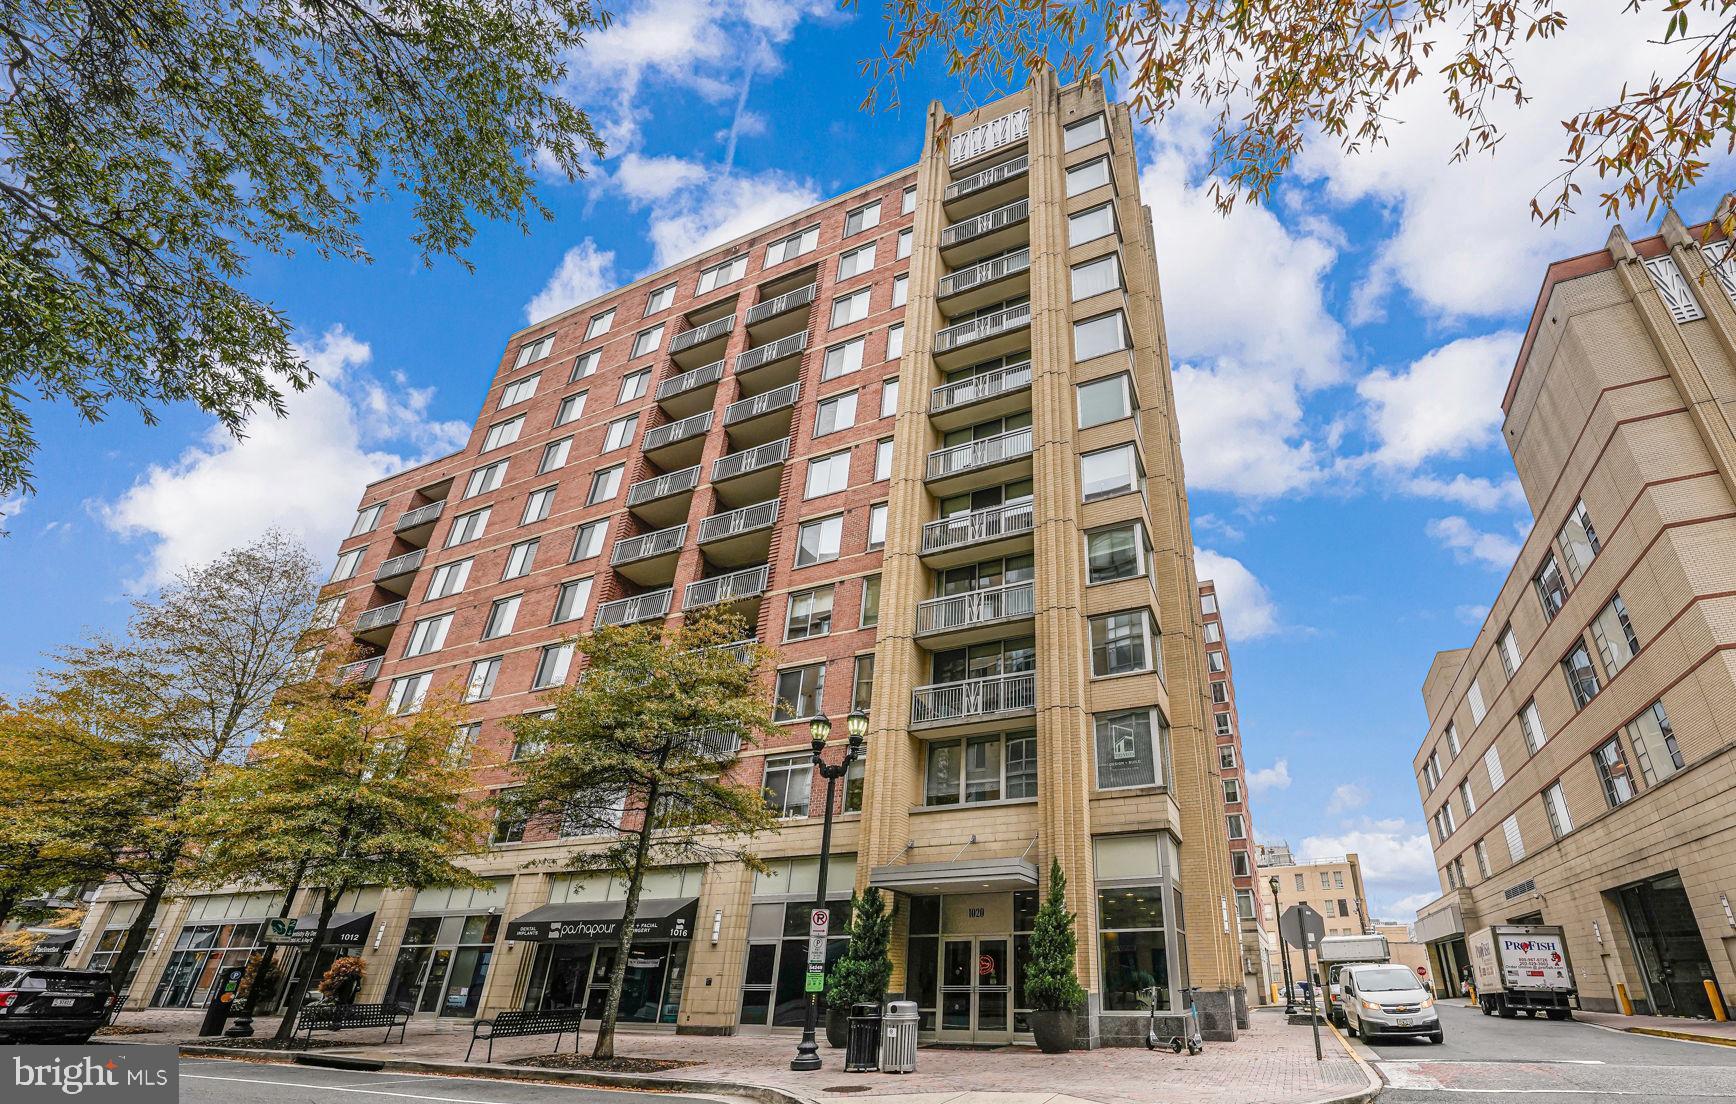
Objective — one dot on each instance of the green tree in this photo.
(1052, 979)
(640, 751)
(151, 148)
(861, 975)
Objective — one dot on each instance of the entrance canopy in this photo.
(587, 921)
(345, 929)
(968, 876)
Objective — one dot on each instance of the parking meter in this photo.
(222, 1001)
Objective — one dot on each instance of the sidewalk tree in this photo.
(1052, 978)
(153, 147)
(640, 753)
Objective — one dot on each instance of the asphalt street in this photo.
(223, 1082)
(1490, 1060)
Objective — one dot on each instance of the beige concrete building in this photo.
(1406, 951)
(1333, 887)
(923, 435)
(1578, 766)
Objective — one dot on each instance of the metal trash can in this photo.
(862, 1051)
(898, 1040)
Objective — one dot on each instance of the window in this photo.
(468, 527)
(1581, 676)
(1096, 277)
(901, 290)
(1099, 336)
(1122, 642)
(828, 474)
(909, 200)
(870, 601)
(554, 455)
(906, 239)
(1090, 225)
(817, 541)
(1481, 849)
(1118, 553)
(585, 365)
(801, 693)
(835, 413)
(463, 744)
(1083, 178)
(1579, 543)
(366, 518)
(1110, 471)
(1244, 897)
(570, 602)
(589, 540)
(1227, 754)
(883, 460)
(1612, 771)
(620, 433)
(1082, 133)
(1614, 635)
(572, 408)
(528, 746)
(534, 351)
(518, 391)
(877, 514)
(501, 616)
(850, 308)
(1531, 726)
(1232, 792)
(1105, 400)
(1508, 646)
(1220, 692)
(810, 614)
(1467, 797)
(346, 566)
(600, 324)
(894, 342)
(504, 433)
(428, 635)
(1551, 590)
(659, 300)
(483, 673)
(725, 272)
(485, 479)
(784, 249)
(1555, 804)
(448, 579)
(1492, 765)
(1475, 697)
(786, 784)
(1221, 721)
(507, 829)
(856, 262)
(407, 693)
(648, 341)
(551, 666)
(605, 485)
(889, 398)
(326, 613)
(981, 768)
(521, 558)
(865, 217)
(843, 359)
(1214, 633)
(1135, 952)
(1655, 744)
(634, 385)
(1238, 826)
(537, 505)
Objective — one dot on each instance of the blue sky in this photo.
(1339, 357)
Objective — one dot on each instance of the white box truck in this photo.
(1522, 968)
(1338, 951)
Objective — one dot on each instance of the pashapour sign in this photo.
(979, 140)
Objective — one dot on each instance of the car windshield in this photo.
(1385, 980)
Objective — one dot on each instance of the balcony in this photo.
(395, 573)
(733, 587)
(988, 335)
(761, 418)
(701, 344)
(375, 625)
(689, 392)
(782, 316)
(974, 616)
(366, 670)
(979, 701)
(976, 464)
(991, 281)
(978, 535)
(986, 234)
(740, 536)
(750, 476)
(650, 606)
(988, 188)
(649, 559)
(416, 526)
(677, 444)
(771, 365)
(662, 500)
(991, 394)
(717, 744)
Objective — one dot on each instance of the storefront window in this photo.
(201, 952)
(774, 987)
(1130, 922)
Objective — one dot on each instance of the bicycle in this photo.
(1190, 1039)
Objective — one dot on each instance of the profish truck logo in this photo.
(137, 1074)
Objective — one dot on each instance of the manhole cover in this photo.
(845, 1088)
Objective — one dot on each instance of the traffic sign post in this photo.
(1303, 928)
(1313, 1017)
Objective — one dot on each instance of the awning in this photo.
(344, 929)
(53, 939)
(586, 921)
(967, 876)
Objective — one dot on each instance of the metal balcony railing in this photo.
(771, 352)
(400, 565)
(740, 463)
(988, 178)
(699, 335)
(992, 523)
(978, 697)
(661, 486)
(673, 432)
(788, 301)
(640, 607)
(761, 515)
(379, 617)
(366, 670)
(421, 515)
(1000, 381)
(646, 545)
(986, 223)
(988, 272)
(979, 454)
(690, 381)
(776, 399)
(726, 588)
(976, 607)
(714, 743)
(979, 329)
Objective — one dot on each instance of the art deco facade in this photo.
(1578, 766)
(922, 437)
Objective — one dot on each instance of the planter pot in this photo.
(1053, 1031)
(837, 1028)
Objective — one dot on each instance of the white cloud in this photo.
(649, 179)
(1242, 431)
(1471, 614)
(1397, 863)
(1472, 492)
(302, 473)
(717, 208)
(1267, 779)
(11, 508)
(1248, 609)
(584, 273)
(1346, 798)
(1472, 545)
(1446, 404)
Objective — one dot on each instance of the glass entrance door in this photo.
(1671, 951)
(976, 990)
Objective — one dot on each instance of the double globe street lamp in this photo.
(820, 730)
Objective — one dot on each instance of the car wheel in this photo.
(1560, 1014)
(1488, 1009)
(1438, 1038)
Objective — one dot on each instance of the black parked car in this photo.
(41, 1004)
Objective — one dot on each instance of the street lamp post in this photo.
(820, 729)
(1283, 951)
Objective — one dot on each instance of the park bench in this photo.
(518, 1025)
(345, 1017)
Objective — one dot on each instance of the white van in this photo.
(1388, 1000)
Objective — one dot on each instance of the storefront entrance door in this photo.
(976, 990)
(1667, 939)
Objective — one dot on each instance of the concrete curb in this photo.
(759, 1094)
(1685, 1036)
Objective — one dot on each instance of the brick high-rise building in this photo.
(1579, 766)
(923, 436)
